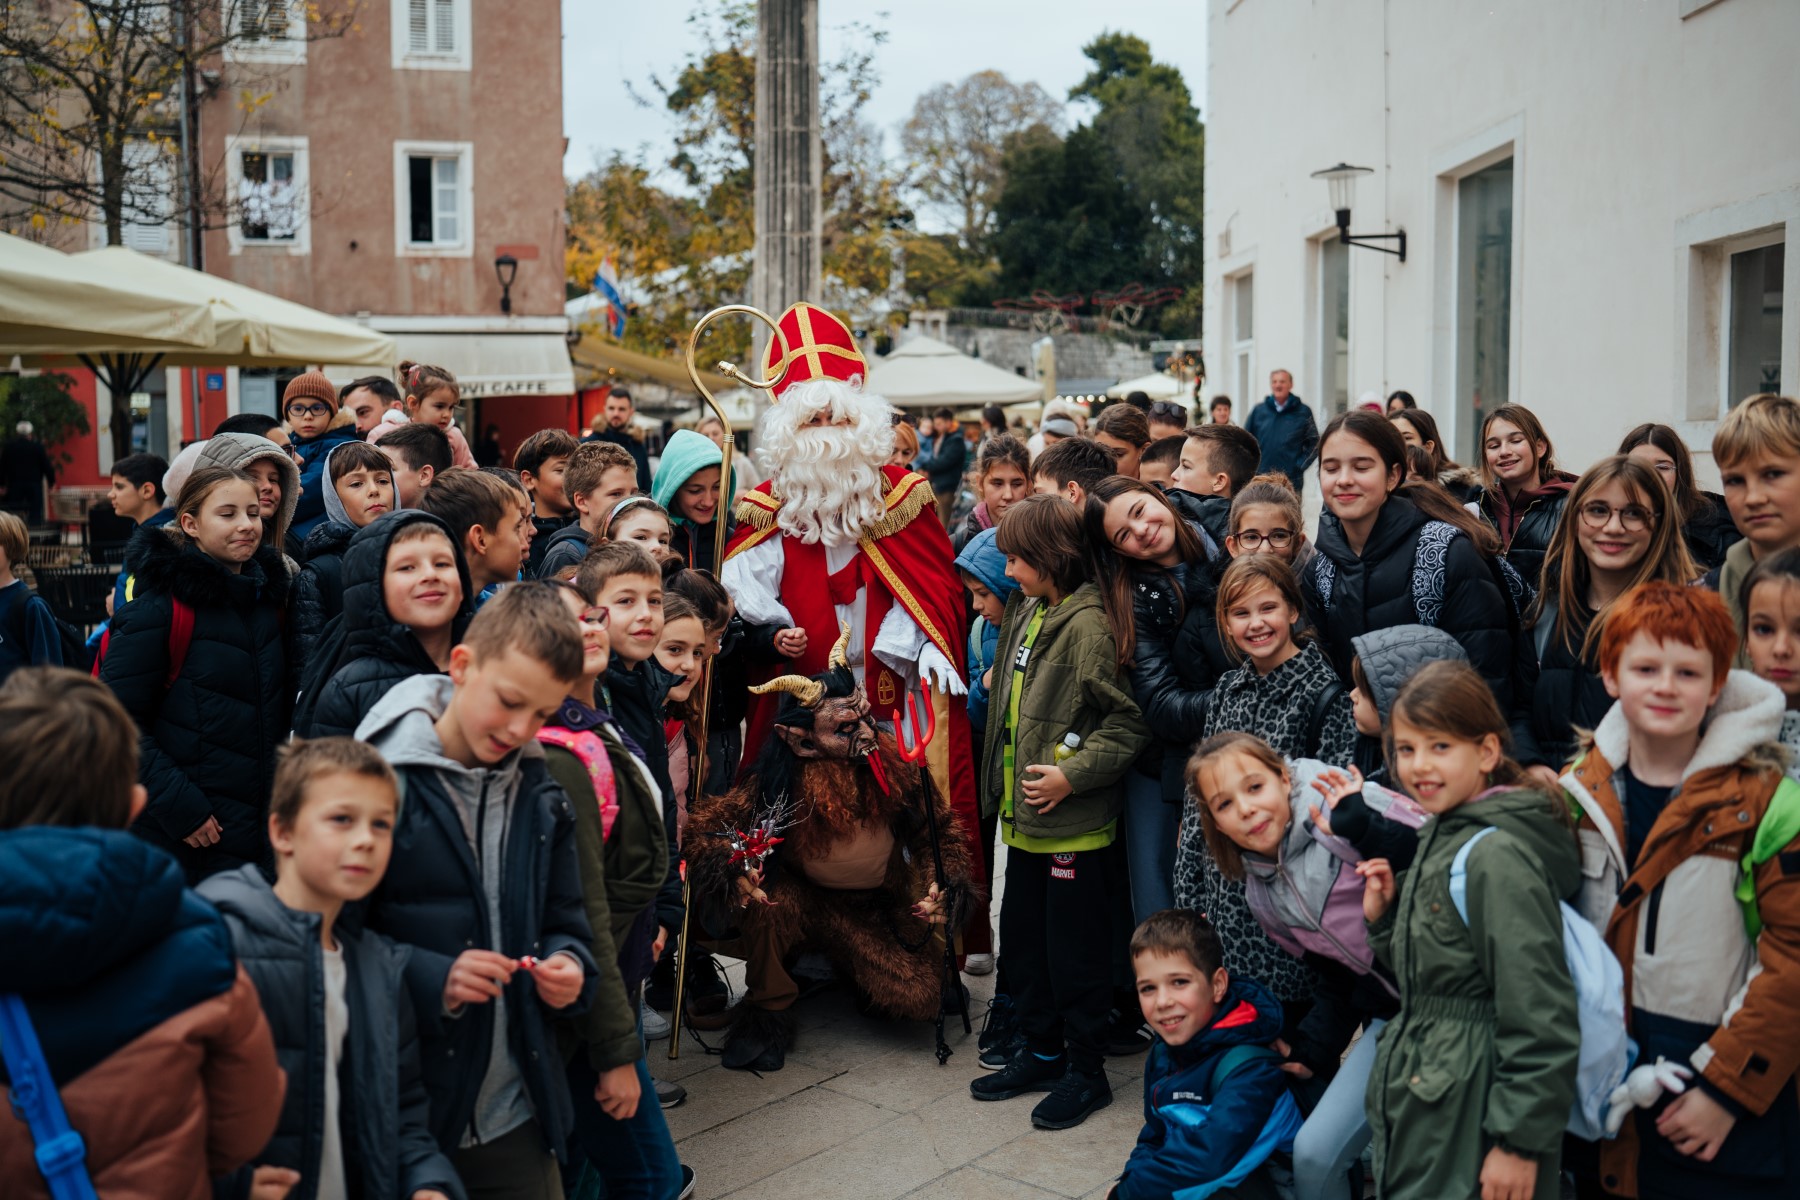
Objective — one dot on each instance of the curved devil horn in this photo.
(839, 656)
(807, 691)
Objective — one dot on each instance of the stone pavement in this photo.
(863, 1111)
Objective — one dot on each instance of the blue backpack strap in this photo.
(61, 1154)
(1459, 874)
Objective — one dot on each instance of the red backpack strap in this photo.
(181, 636)
(100, 654)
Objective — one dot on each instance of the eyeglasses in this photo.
(1595, 514)
(308, 410)
(1277, 539)
(598, 615)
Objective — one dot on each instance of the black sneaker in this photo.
(1000, 1025)
(687, 1183)
(1076, 1095)
(1127, 1033)
(1025, 1073)
(995, 1057)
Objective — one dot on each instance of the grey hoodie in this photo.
(334, 506)
(402, 725)
(1394, 655)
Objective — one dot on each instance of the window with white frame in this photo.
(434, 202)
(1334, 326)
(431, 34)
(149, 192)
(269, 188)
(1484, 258)
(1243, 340)
(1753, 343)
(266, 30)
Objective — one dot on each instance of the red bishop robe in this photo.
(904, 559)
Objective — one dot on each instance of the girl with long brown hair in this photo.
(1705, 521)
(1523, 493)
(1158, 575)
(1621, 529)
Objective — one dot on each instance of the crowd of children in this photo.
(420, 737)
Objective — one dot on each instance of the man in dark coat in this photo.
(1285, 429)
(614, 425)
(25, 470)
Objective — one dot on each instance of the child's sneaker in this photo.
(1025, 1073)
(1001, 1037)
(1127, 1032)
(1076, 1095)
(656, 1026)
(979, 964)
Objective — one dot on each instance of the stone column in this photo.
(788, 167)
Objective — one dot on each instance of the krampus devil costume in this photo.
(825, 845)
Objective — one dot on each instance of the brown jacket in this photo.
(195, 1097)
(1676, 925)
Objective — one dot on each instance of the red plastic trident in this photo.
(922, 731)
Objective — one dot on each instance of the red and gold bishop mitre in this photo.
(819, 346)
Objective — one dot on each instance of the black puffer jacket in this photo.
(364, 652)
(1211, 513)
(434, 899)
(694, 544)
(207, 739)
(383, 1113)
(1711, 533)
(1170, 682)
(636, 700)
(1374, 590)
(1569, 696)
(318, 591)
(1534, 528)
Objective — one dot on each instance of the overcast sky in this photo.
(610, 43)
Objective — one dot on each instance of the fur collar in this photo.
(168, 564)
(1743, 729)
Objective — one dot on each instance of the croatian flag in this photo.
(606, 282)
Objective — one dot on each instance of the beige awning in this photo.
(486, 364)
(603, 359)
(1157, 387)
(250, 328)
(69, 304)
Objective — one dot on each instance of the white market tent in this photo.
(68, 303)
(1157, 387)
(925, 373)
(249, 328)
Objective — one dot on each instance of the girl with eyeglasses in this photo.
(1620, 529)
(1266, 519)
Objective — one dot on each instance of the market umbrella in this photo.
(51, 301)
(1157, 387)
(925, 373)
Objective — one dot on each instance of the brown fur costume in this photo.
(865, 932)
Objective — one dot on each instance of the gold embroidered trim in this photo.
(904, 595)
(906, 501)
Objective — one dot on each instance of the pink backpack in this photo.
(591, 753)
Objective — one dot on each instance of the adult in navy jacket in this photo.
(1285, 429)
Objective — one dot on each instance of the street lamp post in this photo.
(506, 269)
(1341, 180)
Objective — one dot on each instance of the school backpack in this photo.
(1607, 1053)
(591, 753)
(61, 1154)
(181, 636)
(1431, 555)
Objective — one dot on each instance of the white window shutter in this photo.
(444, 33)
(148, 185)
(418, 20)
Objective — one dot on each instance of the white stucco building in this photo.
(1599, 198)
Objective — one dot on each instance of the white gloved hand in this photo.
(1642, 1087)
(935, 670)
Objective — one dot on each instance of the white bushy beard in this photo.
(828, 476)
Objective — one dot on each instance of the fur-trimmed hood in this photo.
(165, 561)
(1743, 730)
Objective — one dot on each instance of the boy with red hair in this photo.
(1690, 852)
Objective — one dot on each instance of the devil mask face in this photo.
(826, 715)
(840, 727)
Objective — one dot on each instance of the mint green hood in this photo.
(686, 453)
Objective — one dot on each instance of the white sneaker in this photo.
(979, 964)
(656, 1026)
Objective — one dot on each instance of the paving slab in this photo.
(972, 1183)
(775, 1136)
